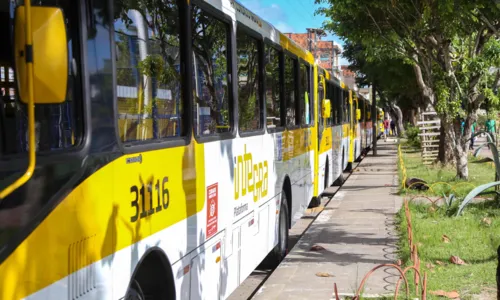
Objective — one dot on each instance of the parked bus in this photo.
(157, 150)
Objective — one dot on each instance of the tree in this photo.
(451, 44)
(396, 85)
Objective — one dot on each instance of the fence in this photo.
(429, 136)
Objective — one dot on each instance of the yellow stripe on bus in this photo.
(94, 220)
(289, 45)
(326, 141)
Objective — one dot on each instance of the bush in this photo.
(412, 135)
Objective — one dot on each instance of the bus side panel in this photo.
(254, 185)
(325, 151)
(299, 168)
(369, 134)
(337, 144)
(346, 144)
(358, 132)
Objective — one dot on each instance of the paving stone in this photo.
(356, 230)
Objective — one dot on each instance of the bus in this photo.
(157, 149)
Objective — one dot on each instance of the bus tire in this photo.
(315, 202)
(279, 252)
(152, 278)
(135, 292)
(349, 167)
(340, 180)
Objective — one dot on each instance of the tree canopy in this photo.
(451, 45)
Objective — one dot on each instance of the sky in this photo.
(291, 16)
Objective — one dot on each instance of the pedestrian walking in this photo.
(490, 128)
(393, 127)
(473, 138)
(386, 128)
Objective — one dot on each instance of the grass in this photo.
(443, 179)
(471, 239)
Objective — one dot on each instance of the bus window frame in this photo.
(261, 69)
(319, 75)
(268, 42)
(330, 84)
(335, 104)
(231, 70)
(309, 92)
(186, 86)
(17, 161)
(340, 95)
(347, 107)
(295, 60)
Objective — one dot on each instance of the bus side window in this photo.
(334, 105)
(273, 87)
(321, 94)
(305, 95)
(249, 96)
(148, 73)
(338, 99)
(347, 107)
(329, 95)
(211, 66)
(57, 126)
(290, 87)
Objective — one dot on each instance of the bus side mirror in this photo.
(49, 54)
(326, 109)
(358, 114)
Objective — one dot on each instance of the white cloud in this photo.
(284, 28)
(270, 13)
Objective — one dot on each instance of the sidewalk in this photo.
(357, 232)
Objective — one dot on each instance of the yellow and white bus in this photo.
(157, 149)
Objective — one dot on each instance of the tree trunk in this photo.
(462, 167)
(461, 147)
(445, 154)
(413, 117)
(459, 150)
(399, 120)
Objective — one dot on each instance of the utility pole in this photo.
(374, 119)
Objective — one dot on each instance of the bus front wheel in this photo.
(135, 292)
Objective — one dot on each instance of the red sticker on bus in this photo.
(212, 208)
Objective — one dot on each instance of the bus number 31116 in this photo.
(162, 196)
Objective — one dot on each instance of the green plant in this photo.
(439, 236)
(412, 135)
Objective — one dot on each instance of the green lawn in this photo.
(471, 239)
(435, 175)
(474, 236)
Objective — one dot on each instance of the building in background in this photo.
(348, 77)
(326, 53)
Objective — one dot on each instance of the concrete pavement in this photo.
(356, 230)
